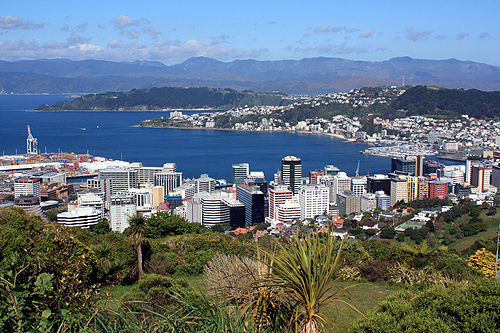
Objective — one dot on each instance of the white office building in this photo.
(83, 217)
(122, 179)
(91, 200)
(122, 208)
(26, 186)
(313, 200)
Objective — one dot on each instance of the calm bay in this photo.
(113, 135)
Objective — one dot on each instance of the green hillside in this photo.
(165, 98)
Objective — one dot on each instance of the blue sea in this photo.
(112, 135)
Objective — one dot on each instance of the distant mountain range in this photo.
(307, 76)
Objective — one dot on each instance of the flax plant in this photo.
(306, 271)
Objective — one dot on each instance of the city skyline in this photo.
(130, 31)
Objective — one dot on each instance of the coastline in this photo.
(338, 136)
(163, 110)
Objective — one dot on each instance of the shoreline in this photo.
(337, 136)
(169, 110)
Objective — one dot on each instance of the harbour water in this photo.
(113, 135)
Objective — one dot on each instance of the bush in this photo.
(456, 308)
(374, 270)
(156, 293)
(388, 233)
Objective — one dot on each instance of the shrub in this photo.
(456, 308)
(374, 270)
(388, 233)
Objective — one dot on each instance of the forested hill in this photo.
(166, 98)
(419, 100)
(422, 100)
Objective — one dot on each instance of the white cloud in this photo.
(329, 49)
(13, 23)
(328, 29)
(413, 35)
(367, 34)
(77, 47)
(123, 21)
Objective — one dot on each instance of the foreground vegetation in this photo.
(53, 280)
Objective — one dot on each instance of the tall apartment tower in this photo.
(278, 196)
(240, 172)
(291, 172)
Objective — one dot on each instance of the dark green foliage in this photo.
(428, 203)
(456, 308)
(45, 273)
(473, 228)
(417, 235)
(102, 227)
(374, 270)
(167, 97)
(423, 100)
(156, 293)
(163, 224)
(388, 233)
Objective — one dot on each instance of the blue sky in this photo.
(173, 31)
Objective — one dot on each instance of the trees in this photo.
(137, 230)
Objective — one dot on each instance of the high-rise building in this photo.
(378, 183)
(314, 176)
(438, 189)
(341, 183)
(277, 196)
(240, 172)
(205, 184)
(481, 178)
(368, 202)
(169, 180)
(404, 166)
(383, 200)
(348, 203)
(122, 208)
(146, 175)
(423, 187)
(289, 211)
(122, 179)
(143, 198)
(313, 200)
(358, 185)
(253, 199)
(412, 187)
(103, 186)
(291, 172)
(91, 200)
(331, 170)
(214, 211)
(399, 190)
(25, 186)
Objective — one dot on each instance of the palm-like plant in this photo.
(306, 271)
(137, 230)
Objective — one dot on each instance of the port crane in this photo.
(31, 144)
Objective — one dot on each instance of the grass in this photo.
(364, 296)
(464, 243)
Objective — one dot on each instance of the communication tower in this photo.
(31, 144)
